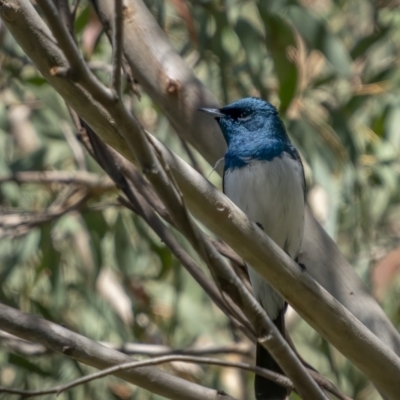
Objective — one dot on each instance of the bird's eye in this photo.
(244, 117)
(239, 115)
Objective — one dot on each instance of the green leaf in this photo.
(96, 223)
(279, 39)
(50, 257)
(21, 362)
(364, 44)
(9, 258)
(97, 227)
(32, 161)
(36, 80)
(379, 121)
(46, 312)
(317, 36)
(251, 42)
(392, 132)
(125, 253)
(254, 47)
(82, 19)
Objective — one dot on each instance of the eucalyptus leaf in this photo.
(316, 34)
(280, 40)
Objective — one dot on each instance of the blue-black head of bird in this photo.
(253, 131)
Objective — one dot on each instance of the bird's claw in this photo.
(259, 225)
(302, 266)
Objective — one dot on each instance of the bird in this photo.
(264, 176)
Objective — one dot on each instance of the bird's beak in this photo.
(214, 112)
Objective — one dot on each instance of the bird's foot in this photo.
(302, 266)
(259, 225)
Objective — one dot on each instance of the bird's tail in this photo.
(264, 388)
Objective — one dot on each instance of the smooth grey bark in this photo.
(80, 348)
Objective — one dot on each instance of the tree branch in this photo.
(73, 143)
(19, 223)
(165, 77)
(117, 48)
(280, 379)
(28, 348)
(243, 349)
(82, 349)
(77, 69)
(88, 179)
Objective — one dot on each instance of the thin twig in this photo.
(23, 346)
(191, 156)
(280, 379)
(84, 350)
(75, 8)
(16, 224)
(151, 350)
(66, 15)
(29, 348)
(88, 179)
(97, 65)
(78, 68)
(117, 48)
(75, 146)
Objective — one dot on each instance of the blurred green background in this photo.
(330, 66)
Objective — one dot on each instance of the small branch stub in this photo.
(62, 72)
(8, 10)
(173, 87)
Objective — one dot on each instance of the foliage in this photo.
(330, 66)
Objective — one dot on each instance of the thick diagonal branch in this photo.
(82, 349)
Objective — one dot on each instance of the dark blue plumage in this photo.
(263, 175)
(255, 118)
